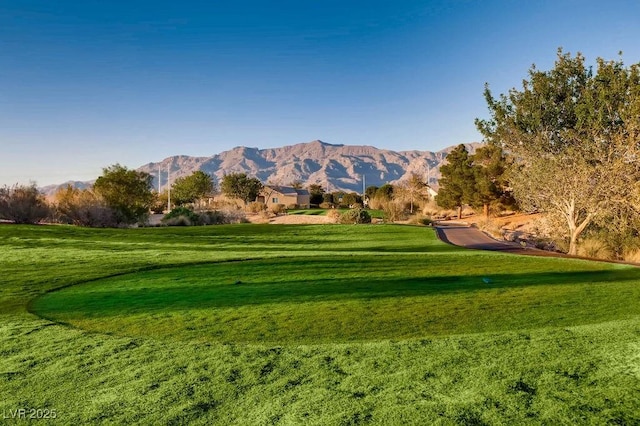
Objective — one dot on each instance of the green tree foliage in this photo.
(22, 204)
(457, 184)
(574, 136)
(370, 192)
(316, 193)
(385, 192)
(490, 185)
(189, 189)
(240, 186)
(355, 216)
(127, 192)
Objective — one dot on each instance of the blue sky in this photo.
(86, 84)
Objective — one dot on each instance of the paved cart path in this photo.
(473, 238)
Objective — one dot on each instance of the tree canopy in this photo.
(574, 137)
(127, 192)
(241, 186)
(188, 189)
(457, 182)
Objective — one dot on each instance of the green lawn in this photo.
(266, 324)
(377, 214)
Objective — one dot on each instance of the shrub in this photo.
(181, 216)
(334, 215)
(355, 216)
(326, 205)
(292, 207)
(632, 256)
(22, 204)
(83, 207)
(393, 211)
(256, 207)
(278, 209)
(593, 248)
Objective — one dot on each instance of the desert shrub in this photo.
(326, 205)
(425, 220)
(355, 216)
(594, 248)
(256, 207)
(491, 228)
(632, 255)
(333, 215)
(233, 215)
(393, 211)
(278, 209)
(83, 207)
(22, 204)
(181, 216)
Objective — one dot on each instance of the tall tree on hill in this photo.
(574, 137)
(241, 186)
(458, 180)
(127, 192)
(490, 185)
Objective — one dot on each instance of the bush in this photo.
(326, 205)
(256, 207)
(23, 204)
(278, 209)
(355, 216)
(181, 216)
(334, 215)
(593, 248)
(393, 211)
(292, 207)
(82, 207)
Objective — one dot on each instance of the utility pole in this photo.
(169, 188)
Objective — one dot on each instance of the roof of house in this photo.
(288, 190)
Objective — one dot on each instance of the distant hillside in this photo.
(335, 167)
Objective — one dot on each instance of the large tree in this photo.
(189, 189)
(491, 188)
(241, 186)
(574, 137)
(127, 192)
(457, 182)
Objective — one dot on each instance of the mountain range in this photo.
(334, 167)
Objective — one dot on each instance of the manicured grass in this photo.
(265, 324)
(378, 214)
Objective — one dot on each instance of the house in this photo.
(272, 195)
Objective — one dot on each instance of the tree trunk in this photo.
(575, 228)
(486, 211)
(459, 212)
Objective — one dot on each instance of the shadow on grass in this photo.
(108, 301)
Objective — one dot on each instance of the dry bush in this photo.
(593, 248)
(233, 215)
(278, 209)
(491, 228)
(256, 207)
(334, 215)
(632, 255)
(23, 204)
(326, 205)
